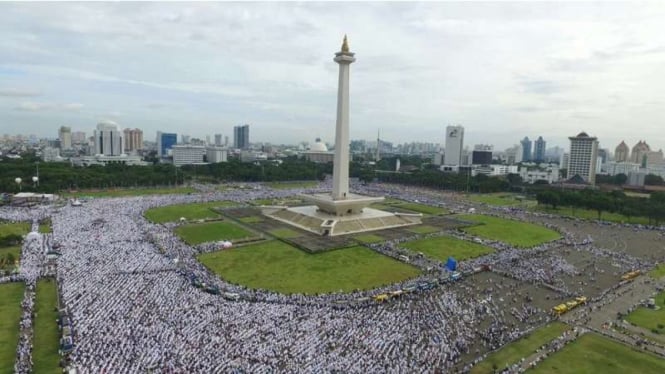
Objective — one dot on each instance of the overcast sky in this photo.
(502, 70)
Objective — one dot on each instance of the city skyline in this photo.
(501, 70)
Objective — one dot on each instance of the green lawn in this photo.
(591, 214)
(368, 238)
(592, 353)
(442, 247)
(423, 229)
(172, 213)
(498, 199)
(11, 295)
(284, 233)
(280, 267)
(45, 227)
(513, 352)
(251, 219)
(197, 233)
(6, 255)
(516, 233)
(128, 192)
(658, 271)
(414, 207)
(45, 354)
(19, 228)
(648, 318)
(295, 184)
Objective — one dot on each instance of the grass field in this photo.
(442, 247)
(197, 233)
(128, 192)
(650, 319)
(11, 295)
(284, 233)
(414, 207)
(6, 254)
(19, 228)
(498, 199)
(368, 238)
(592, 353)
(295, 184)
(251, 219)
(518, 234)
(172, 213)
(658, 272)
(591, 214)
(513, 352)
(280, 267)
(423, 229)
(45, 227)
(45, 354)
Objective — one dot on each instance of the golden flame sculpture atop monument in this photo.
(345, 44)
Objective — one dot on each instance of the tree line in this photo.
(614, 202)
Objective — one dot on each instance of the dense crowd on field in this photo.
(127, 286)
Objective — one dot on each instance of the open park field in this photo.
(499, 199)
(45, 356)
(442, 247)
(128, 192)
(8, 256)
(516, 233)
(591, 214)
(401, 205)
(19, 228)
(592, 353)
(650, 319)
(513, 352)
(197, 233)
(172, 213)
(11, 295)
(277, 266)
(294, 184)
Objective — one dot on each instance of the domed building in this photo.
(318, 152)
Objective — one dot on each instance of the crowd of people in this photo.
(125, 282)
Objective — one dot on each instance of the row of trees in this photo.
(615, 201)
(57, 176)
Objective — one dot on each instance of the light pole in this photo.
(18, 181)
(35, 182)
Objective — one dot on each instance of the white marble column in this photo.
(341, 163)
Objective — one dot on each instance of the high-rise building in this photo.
(226, 141)
(78, 137)
(186, 154)
(454, 145)
(621, 152)
(218, 140)
(65, 136)
(133, 139)
(639, 152)
(108, 141)
(184, 139)
(165, 141)
(539, 149)
(216, 154)
(241, 137)
(526, 149)
(583, 157)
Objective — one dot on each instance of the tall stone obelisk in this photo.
(341, 163)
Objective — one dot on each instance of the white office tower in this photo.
(218, 140)
(583, 157)
(65, 136)
(186, 154)
(108, 139)
(454, 145)
(216, 154)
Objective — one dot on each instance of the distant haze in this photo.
(501, 70)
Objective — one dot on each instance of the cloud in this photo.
(31, 106)
(13, 92)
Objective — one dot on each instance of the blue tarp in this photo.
(451, 264)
